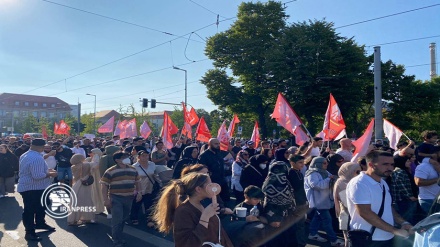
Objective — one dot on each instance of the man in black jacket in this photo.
(213, 160)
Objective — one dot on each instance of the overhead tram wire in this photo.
(403, 41)
(203, 7)
(386, 16)
(125, 57)
(127, 77)
(115, 19)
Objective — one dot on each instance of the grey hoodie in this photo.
(106, 160)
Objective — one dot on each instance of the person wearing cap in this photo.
(86, 146)
(34, 179)
(250, 148)
(137, 142)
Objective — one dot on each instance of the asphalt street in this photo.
(98, 234)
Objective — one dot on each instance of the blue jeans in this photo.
(121, 206)
(322, 216)
(63, 171)
(426, 204)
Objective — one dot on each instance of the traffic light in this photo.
(75, 127)
(82, 127)
(153, 103)
(145, 103)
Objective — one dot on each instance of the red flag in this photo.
(108, 126)
(145, 130)
(63, 128)
(392, 133)
(202, 131)
(363, 142)
(223, 137)
(121, 128)
(55, 128)
(186, 130)
(130, 128)
(231, 128)
(167, 129)
(117, 129)
(300, 136)
(333, 122)
(190, 116)
(322, 135)
(284, 114)
(43, 129)
(256, 135)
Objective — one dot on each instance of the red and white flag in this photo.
(187, 130)
(190, 116)
(202, 132)
(363, 142)
(322, 135)
(131, 129)
(55, 128)
(300, 136)
(108, 126)
(232, 124)
(223, 137)
(44, 132)
(392, 133)
(341, 135)
(120, 129)
(145, 130)
(256, 134)
(63, 128)
(333, 121)
(284, 114)
(168, 130)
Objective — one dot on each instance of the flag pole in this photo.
(406, 136)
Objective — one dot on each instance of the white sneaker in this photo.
(318, 238)
(109, 216)
(338, 242)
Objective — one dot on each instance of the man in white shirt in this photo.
(77, 149)
(426, 178)
(345, 150)
(49, 156)
(364, 195)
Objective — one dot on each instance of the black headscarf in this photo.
(279, 155)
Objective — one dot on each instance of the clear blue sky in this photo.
(43, 43)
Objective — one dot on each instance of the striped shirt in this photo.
(33, 172)
(121, 181)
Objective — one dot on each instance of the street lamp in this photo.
(186, 80)
(94, 115)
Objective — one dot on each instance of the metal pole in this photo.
(378, 126)
(79, 118)
(94, 119)
(186, 82)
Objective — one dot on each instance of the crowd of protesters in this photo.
(284, 188)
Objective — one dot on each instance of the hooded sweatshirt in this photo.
(106, 160)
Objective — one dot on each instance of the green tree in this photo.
(305, 61)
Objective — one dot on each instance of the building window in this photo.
(2, 112)
(16, 113)
(43, 114)
(35, 104)
(51, 115)
(35, 113)
(17, 102)
(26, 103)
(44, 105)
(52, 105)
(25, 113)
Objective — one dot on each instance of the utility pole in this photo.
(378, 122)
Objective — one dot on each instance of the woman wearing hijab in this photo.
(256, 172)
(81, 172)
(279, 204)
(346, 172)
(281, 155)
(334, 162)
(95, 155)
(240, 162)
(317, 184)
(189, 157)
(8, 167)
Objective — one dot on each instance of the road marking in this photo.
(13, 234)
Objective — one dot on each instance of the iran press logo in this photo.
(60, 201)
